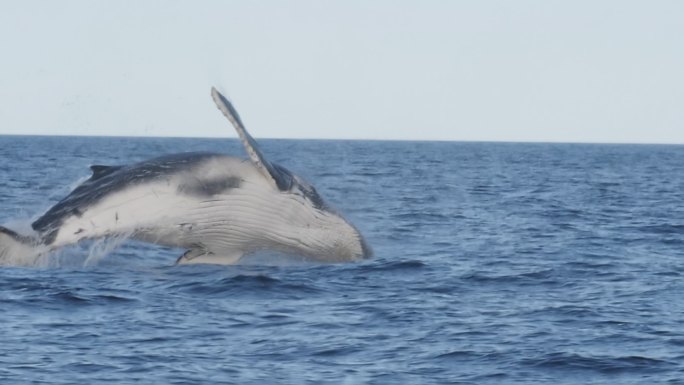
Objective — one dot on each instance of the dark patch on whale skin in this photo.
(99, 170)
(205, 189)
(282, 176)
(310, 193)
(109, 179)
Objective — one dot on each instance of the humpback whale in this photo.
(217, 207)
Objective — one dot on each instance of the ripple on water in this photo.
(537, 277)
(249, 285)
(602, 364)
(390, 266)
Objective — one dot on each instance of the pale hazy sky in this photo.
(544, 70)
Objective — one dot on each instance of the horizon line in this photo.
(354, 139)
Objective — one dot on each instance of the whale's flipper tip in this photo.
(227, 109)
(16, 249)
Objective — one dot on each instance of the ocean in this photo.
(495, 263)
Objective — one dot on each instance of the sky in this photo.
(542, 70)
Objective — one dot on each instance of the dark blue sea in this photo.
(494, 263)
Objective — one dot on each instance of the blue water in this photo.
(495, 263)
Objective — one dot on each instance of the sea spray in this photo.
(100, 248)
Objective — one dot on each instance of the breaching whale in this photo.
(220, 208)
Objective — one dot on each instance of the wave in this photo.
(602, 364)
(257, 285)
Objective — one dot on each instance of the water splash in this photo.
(103, 247)
(18, 254)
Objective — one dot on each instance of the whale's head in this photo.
(313, 228)
(300, 222)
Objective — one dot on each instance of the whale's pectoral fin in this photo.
(195, 256)
(281, 178)
(16, 248)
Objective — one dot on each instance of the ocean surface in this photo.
(494, 263)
